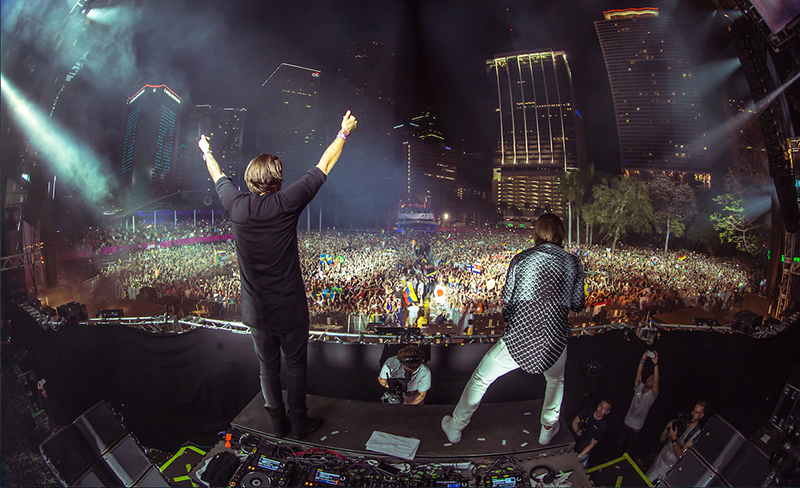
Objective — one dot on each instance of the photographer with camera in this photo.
(588, 427)
(644, 395)
(406, 376)
(682, 432)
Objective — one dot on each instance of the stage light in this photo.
(108, 15)
(716, 73)
(67, 157)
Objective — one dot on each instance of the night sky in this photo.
(219, 53)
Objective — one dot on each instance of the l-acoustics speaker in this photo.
(730, 456)
(746, 321)
(73, 312)
(95, 450)
(690, 471)
(787, 411)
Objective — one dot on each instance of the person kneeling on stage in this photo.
(406, 376)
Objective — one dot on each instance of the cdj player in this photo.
(260, 471)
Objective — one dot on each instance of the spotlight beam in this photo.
(70, 159)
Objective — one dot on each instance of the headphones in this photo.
(547, 473)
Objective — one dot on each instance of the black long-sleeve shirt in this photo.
(543, 284)
(265, 229)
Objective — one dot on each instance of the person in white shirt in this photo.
(408, 365)
(644, 395)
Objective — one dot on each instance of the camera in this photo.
(397, 386)
(680, 422)
(651, 354)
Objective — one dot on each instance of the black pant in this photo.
(627, 441)
(294, 344)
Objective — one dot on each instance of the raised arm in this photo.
(331, 155)
(211, 163)
(655, 375)
(638, 380)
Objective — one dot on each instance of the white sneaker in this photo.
(546, 435)
(452, 434)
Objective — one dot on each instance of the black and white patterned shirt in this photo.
(543, 284)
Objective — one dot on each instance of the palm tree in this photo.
(570, 186)
(577, 189)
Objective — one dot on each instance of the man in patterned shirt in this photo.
(543, 284)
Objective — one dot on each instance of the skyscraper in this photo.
(288, 119)
(149, 145)
(365, 84)
(660, 120)
(538, 125)
(225, 127)
(430, 164)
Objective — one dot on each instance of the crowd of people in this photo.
(97, 238)
(397, 278)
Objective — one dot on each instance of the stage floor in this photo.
(495, 429)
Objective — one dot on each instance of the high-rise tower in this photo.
(225, 127)
(538, 124)
(149, 145)
(288, 119)
(430, 164)
(660, 120)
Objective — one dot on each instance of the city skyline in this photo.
(220, 56)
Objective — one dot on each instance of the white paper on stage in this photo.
(393, 445)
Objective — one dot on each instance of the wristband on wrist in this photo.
(343, 135)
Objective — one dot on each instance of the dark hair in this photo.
(411, 355)
(607, 400)
(264, 174)
(703, 404)
(549, 228)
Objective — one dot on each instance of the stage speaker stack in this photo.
(721, 456)
(95, 450)
(73, 312)
(787, 411)
(746, 321)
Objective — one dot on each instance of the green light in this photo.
(796, 259)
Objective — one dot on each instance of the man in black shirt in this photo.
(274, 302)
(589, 426)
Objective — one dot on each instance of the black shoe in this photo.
(307, 427)
(281, 427)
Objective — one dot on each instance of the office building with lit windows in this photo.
(288, 119)
(660, 119)
(538, 131)
(225, 127)
(430, 164)
(149, 144)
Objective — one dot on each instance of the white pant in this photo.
(495, 363)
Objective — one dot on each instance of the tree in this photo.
(732, 222)
(570, 186)
(621, 206)
(675, 205)
(576, 187)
